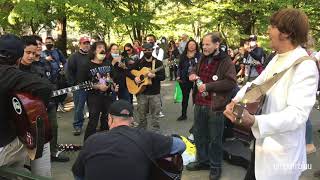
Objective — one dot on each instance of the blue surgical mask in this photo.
(115, 55)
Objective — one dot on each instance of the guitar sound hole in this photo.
(141, 78)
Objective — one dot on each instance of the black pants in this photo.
(250, 175)
(98, 106)
(185, 88)
(52, 115)
(173, 72)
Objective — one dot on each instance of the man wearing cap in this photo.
(149, 99)
(215, 77)
(121, 153)
(254, 59)
(77, 68)
(12, 151)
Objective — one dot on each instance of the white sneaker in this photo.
(161, 114)
(191, 137)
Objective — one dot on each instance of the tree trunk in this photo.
(62, 35)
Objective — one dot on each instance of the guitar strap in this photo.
(153, 65)
(171, 175)
(257, 91)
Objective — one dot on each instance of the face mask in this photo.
(163, 41)
(148, 55)
(114, 55)
(101, 57)
(252, 43)
(49, 46)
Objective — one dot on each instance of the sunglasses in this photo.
(127, 50)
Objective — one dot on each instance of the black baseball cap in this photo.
(11, 49)
(147, 46)
(252, 38)
(121, 108)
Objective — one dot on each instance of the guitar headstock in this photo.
(86, 85)
(69, 147)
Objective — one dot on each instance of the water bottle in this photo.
(199, 83)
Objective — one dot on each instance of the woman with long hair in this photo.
(100, 98)
(173, 54)
(120, 69)
(188, 59)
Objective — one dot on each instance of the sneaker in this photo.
(58, 157)
(182, 118)
(215, 174)
(311, 148)
(196, 166)
(77, 131)
(191, 137)
(60, 108)
(161, 114)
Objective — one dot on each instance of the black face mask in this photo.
(148, 55)
(49, 46)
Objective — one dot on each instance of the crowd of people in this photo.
(211, 70)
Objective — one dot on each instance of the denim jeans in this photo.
(309, 138)
(79, 98)
(208, 130)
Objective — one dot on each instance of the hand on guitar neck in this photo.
(237, 113)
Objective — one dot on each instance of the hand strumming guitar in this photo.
(246, 120)
(137, 80)
(101, 87)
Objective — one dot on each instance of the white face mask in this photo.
(252, 43)
(101, 57)
(114, 55)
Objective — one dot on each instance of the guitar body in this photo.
(31, 122)
(171, 168)
(255, 108)
(145, 81)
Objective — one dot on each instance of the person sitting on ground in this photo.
(117, 154)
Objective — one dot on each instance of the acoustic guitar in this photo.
(135, 88)
(31, 119)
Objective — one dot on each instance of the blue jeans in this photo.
(79, 99)
(309, 138)
(208, 130)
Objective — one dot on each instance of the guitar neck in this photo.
(163, 66)
(65, 91)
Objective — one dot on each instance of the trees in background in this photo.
(119, 21)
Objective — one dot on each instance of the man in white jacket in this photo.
(280, 151)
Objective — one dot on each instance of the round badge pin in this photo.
(215, 77)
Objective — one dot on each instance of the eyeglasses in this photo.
(128, 50)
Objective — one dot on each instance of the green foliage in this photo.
(124, 20)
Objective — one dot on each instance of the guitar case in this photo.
(237, 152)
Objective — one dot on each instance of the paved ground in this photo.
(62, 171)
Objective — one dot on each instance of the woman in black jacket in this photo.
(188, 59)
